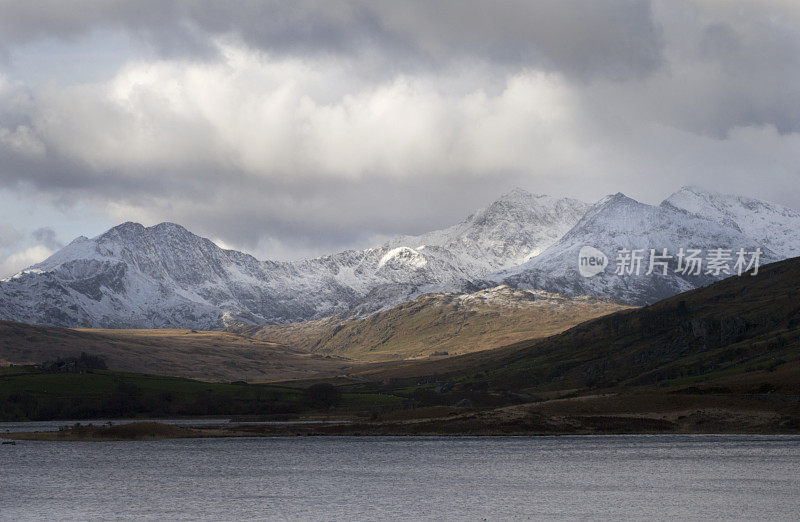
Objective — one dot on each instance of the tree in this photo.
(323, 395)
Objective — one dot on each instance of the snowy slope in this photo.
(778, 227)
(165, 276)
(619, 222)
(510, 231)
(162, 276)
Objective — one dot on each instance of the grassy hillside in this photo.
(213, 356)
(725, 358)
(743, 325)
(743, 331)
(30, 394)
(439, 325)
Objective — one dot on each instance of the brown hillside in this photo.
(215, 356)
(439, 325)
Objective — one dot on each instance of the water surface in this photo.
(401, 478)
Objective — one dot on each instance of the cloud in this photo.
(268, 144)
(616, 38)
(159, 23)
(46, 236)
(300, 128)
(23, 259)
(20, 250)
(9, 236)
(731, 64)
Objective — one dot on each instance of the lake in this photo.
(402, 478)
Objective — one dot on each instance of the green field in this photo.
(29, 394)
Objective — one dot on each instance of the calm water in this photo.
(310, 478)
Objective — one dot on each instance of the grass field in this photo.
(28, 394)
(211, 356)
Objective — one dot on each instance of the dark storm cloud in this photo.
(764, 69)
(615, 38)
(159, 23)
(47, 236)
(317, 219)
(730, 64)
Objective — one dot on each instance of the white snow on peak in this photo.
(777, 226)
(165, 276)
(511, 230)
(619, 222)
(403, 256)
(80, 248)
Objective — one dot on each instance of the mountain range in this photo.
(166, 277)
(619, 222)
(720, 359)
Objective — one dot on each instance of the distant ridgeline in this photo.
(166, 277)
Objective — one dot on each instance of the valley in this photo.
(719, 359)
(484, 327)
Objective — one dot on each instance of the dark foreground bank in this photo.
(639, 413)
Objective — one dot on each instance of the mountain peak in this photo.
(168, 225)
(166, 276)
(131, 229)
(695, 189)
(520, 195)
(516, 194)
(615, 200)
(522, 206)
(775, 224)
(170, 228)
(126, 227)
(614, 208)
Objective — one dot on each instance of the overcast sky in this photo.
(290, 129)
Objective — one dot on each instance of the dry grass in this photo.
(435, 325)
(214, 356)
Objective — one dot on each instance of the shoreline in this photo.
(600, 426)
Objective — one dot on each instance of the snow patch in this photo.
(403, 256)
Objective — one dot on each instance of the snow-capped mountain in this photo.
(619, 222)
(510, 231)
(165, 276)
(776, 226)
